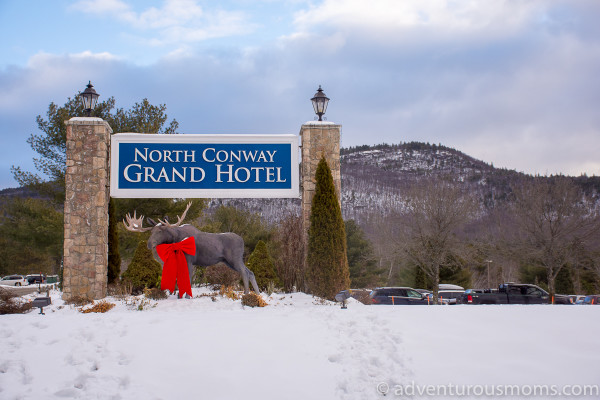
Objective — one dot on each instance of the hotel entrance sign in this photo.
(204, 166)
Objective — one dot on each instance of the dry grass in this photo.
(10, 303)
(229, 293)
(155, 294)
(253, 300)
(100, 307)
(120, 290)
(79, 301)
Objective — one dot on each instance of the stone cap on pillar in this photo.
(319, 123)
(88, 121)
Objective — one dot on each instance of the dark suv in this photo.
(35, 279)
(397, 296)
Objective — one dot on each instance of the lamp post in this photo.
(319, 102)
(89, 98)
(488, 272)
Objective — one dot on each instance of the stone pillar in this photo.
(318, 138)
(85, 259)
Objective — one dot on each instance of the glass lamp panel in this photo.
(324, 103)
(86, 101)
(94, 101)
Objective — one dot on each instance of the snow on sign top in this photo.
(211, 166)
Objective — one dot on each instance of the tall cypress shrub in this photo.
(114, 258)
(327, 263)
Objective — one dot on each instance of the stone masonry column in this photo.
(318, 139)
(85, 259)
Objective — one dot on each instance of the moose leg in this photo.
(190, 270)
(247, 276)
(253, 280)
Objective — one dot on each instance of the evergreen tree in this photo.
(31, 237)
(261, 263)
(144, 271)
(421, 281)
(51, 143)
(361, 262)
(327, 262)
(114, 258)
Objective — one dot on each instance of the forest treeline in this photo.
(416, 214)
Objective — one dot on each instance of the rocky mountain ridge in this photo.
(375, 180)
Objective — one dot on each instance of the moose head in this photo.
(162, 232)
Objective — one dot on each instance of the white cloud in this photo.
(514, 83)
(177, 21)
(51, 76)
(117, 7)
(417, 19)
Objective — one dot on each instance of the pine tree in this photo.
(421, 278)
(114, 258)
(144, 271)
(361, 262)
(327, 263)
(261, 263)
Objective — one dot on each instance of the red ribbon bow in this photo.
(175, 267)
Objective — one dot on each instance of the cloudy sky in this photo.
(513, 83)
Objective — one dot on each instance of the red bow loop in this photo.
(175, 266)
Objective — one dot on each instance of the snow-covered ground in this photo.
(296, 348)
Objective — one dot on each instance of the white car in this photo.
(14, 280)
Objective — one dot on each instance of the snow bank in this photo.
(296, 348)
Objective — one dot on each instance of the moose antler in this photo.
(135, 224)
(179, 219)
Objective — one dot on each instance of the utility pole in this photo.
(488, 272)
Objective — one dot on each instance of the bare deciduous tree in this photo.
(436, 210)
(553, 215)
(290, 255)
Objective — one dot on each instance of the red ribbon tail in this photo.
(183, 276)
(169, 274)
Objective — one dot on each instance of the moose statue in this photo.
(211, 248)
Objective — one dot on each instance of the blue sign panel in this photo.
(204, 166)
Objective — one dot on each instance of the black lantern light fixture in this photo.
(89, 98)
(319, 103)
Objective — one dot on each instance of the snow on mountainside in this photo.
(375, 177)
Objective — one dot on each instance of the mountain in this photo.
(375, 178)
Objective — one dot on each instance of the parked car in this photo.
(423, 291)
(14, 280)
(451, 296)
(441, 300)
(576, 298)
(593, 299)
(447, 294)
(397, 296)
(511, 293)
(449, 286)
(36, 278)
